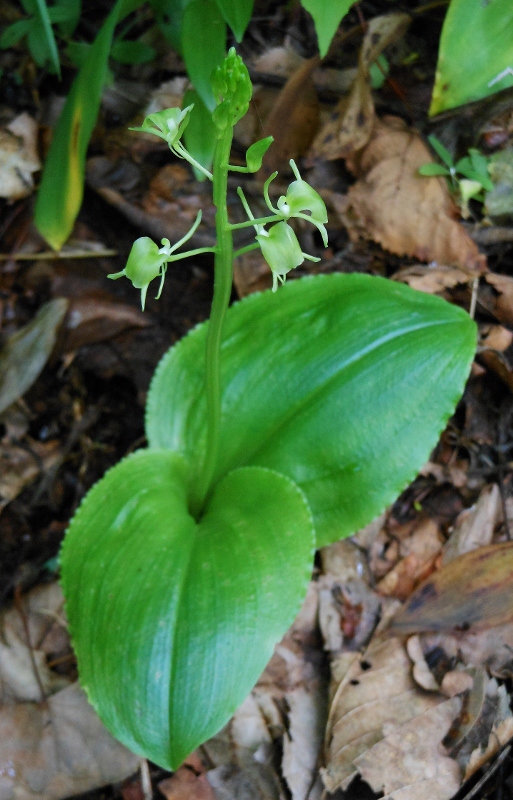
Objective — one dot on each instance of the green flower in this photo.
(145, 263)
(280, 249)
(168, 125)
(300, 198)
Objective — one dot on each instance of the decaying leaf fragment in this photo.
(350, 125)
(26, 352)
(18, 157)
(474, 591)
(403, 211)
(376, 697)
(53, 746)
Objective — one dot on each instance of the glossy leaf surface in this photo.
(327, 16)
(173, 621)
(237, 14)
(341, 382)
(476, 53)
(62, 184)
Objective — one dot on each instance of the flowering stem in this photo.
(223, 273)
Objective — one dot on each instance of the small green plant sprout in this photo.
(282, 424)
(469, 176)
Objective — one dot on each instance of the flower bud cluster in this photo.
(232, 89)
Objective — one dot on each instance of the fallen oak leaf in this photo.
(405, 213)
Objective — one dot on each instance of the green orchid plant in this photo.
(280, 425)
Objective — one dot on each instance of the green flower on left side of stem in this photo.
(147, 261)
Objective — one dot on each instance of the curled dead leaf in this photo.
(350, 125)
(406, 213)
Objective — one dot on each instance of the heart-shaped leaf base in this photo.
(173, 620)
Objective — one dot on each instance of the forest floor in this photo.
(78, 355)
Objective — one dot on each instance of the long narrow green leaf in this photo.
(42, 11)
(62, 185)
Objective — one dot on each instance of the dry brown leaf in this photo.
(56, 749)
(473, 591)
(186, 785)
(496, 295)
(419, 551)
(475, 526)
(495, 340)
(408, 763)
(95, 318)
(293, 120)
(18, 157)
(376, 695)
(433, 279)
(406, 213)
(251, 273)
(20, 465)
(350, 125)
(59, 747)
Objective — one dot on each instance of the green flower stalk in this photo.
(232, 88)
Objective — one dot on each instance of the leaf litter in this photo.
(413, 713)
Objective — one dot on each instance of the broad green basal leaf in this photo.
(173, 621)
(476, 53)
(341, 382)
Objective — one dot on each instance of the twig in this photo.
(146, 780)
(53, 255)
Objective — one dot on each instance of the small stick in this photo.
(146, 780)
(52, 255)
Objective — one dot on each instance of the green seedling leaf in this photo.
(237, 13)
(173, 620)
(325, 382)
(203, 45)
(474, 590)
(475, 58)
(441, 151)
(475, 168)
(200, 134)
(62, 184)
(132, 52)
(327, 17)
(379, 71)
(429, 170)
(26, 352)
